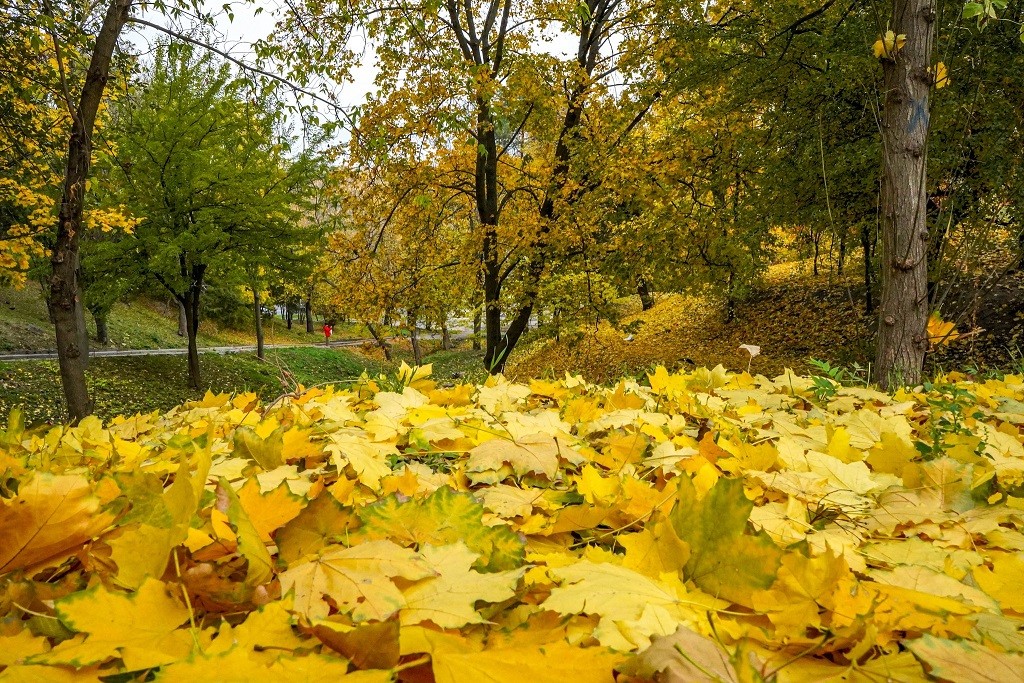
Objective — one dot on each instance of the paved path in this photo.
(105, 353)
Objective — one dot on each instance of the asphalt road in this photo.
(106, 353)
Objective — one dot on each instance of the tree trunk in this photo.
(643, 288)
(414, 337)
(83, 331)
(477, 326)
(182, 320)
(446, 336)
(288, 315)
(816, 237)
(102, 335)
(865, 243)
(308, 308)
(64, 259)
(842, 253)
(903, 315)
(192, 328)
(730, 299)
(257, 314)
(381, 341)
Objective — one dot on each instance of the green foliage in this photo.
(444, 517)
(725, 559)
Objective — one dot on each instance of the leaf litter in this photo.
(704, 525)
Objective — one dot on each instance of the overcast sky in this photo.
(237, 36)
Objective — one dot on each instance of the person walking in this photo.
(328, 330)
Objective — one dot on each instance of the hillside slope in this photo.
(793, 317)
(140, 324)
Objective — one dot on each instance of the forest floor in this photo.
(793, 316)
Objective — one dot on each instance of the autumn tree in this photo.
(207, 164)
(471, 77)
(402, 250)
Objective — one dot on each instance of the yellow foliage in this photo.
(536, 530)
(888, 45)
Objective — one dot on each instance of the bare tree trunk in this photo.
(865, 243)
(477, 325)
(816, 237)
(64, 259)
(842, 253)
(182, 320)
(414, 337)
(83, 331)
(192, 327)
(257, 314)
(902, 339)
(643, 289)
(308, 307)
(381, 341)
(730, 299)
(446, 337)
(102, 335)
(288, 315)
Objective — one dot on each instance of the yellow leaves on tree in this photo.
(888, 45)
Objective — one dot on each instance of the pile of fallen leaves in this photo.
(704, 526)
(792, 316)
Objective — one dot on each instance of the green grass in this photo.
(140, 324)
(463, 365)
(136, 384)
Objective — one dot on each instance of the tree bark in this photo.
(288, 315)
(643, 288)
(83, 331)
(192, 327)
(446, 336)
(64, 258)
(308, 308)
(865, 243)
(102, 335)
(381, 341)
(182, 320)
(477, 326)
(257, 314)
(414, 337)
(903, 311)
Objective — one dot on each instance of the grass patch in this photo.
(140, 324)
(463, 365)
(141, 384)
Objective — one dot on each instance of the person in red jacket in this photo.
(328, 330)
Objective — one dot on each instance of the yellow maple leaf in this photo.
(269, 511)
(795, 599)
(357, 580)
(530, 454)
(889, 44)
(52, 514)
(941, 331)
(448, 599)
(1004, 580)
(941, 75)
(550, 663)
(141, 629)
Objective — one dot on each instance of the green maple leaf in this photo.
(725, 560)
(442, 518)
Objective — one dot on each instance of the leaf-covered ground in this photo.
(701, 526)
(792, 316)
